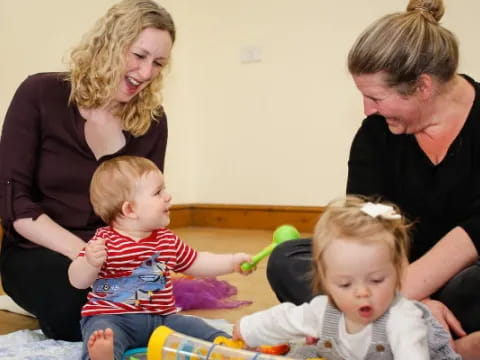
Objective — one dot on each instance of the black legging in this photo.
(289, 267)
(37, 280)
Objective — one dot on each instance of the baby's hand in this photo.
(95, 252)
(238, 260)
(236, 335)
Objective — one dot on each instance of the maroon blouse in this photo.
(45, 162)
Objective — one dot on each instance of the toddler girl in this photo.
(359, 253)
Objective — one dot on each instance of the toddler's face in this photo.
(152, 202)
(361, 279)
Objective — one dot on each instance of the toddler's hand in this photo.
(95, 252)
(236, 335)
(238, 259)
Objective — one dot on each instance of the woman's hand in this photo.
(445, 317)
(47, 233)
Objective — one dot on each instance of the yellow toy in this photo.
(166, 344)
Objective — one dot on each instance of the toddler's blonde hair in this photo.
(114, 182)
(343, 218)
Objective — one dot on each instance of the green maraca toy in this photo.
(281, 234)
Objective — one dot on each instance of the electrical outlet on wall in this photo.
(250, 54)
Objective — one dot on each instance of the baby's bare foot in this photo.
(100, 345)
(469, 346)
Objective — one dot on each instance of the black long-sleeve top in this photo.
(436, 197)
(45, 162)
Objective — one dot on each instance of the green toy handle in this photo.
(247, 266)
(281, 234)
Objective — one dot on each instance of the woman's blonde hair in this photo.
(114, 182)
(97, 63)
(406, 45)
(345, 219)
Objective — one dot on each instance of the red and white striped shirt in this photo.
(135, 277)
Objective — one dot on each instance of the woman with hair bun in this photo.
(58, 129)
(419, 147)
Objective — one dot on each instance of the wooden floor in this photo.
(253, 287)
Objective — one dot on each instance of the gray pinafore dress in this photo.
(379, 349)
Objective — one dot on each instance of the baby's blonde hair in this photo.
(97, 63)
(343, 218)
(114, 182)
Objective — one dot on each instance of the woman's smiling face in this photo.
(401, 112)
(145, 59)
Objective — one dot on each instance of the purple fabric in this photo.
(205, 293)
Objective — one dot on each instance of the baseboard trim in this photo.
(266, 217)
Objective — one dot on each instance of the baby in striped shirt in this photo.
(128, 263)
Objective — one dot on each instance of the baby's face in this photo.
(361, 279)
(152, 202)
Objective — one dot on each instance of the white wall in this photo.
(272, 132)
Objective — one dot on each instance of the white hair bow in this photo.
(384, 211)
